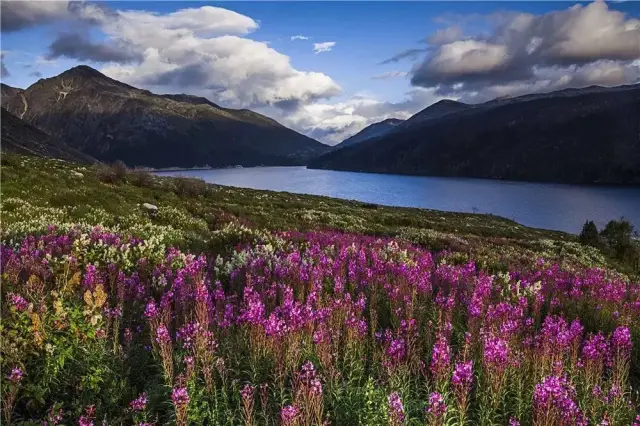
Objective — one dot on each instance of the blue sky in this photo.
(365, 35)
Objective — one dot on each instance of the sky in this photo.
(328, 69)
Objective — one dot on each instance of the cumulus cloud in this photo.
(36, 74)
(334, 122)
(390, 74)
(446, 35)
(570, 48)
(200, 50)
(299, 37)
(323, 47)
(78, 46)
(17, 15)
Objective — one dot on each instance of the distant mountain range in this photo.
(110, 120)
(589, 135)
(20, 137)
(372, 131)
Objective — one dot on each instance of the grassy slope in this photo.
(198, 216)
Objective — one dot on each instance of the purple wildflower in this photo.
(85, 421)
(463, 376)
(15, 376)
(621, 341)
(140, 403)
(289, 415)
(247, 392)
(440, 358)
(396, 409)
(162, 335)
(179, 396)
(437, 407)
(554, 402)
(151, 311)
(18, 302)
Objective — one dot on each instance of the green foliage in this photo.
(589, 234)
(37, 192)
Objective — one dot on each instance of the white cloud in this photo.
(467, 56)
(390, 74)
(200, 50)
(334, 122)
(446, 35)
(323, 47)
(581, 45)
(299, 37)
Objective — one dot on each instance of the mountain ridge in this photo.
(111, 120)
(589, 135)
(20, 137)
(371, 131)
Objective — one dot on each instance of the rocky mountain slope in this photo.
(110, 121)
(7, 92)
(374, 130)
(589, 135)
(22, 138)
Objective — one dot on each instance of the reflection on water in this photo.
(549, 206)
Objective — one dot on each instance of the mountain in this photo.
(589, 135)
(110, 121)
(21, 137)
(437, 110)
(7, 93)
(372, 131)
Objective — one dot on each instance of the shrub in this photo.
(111, 173)
(190, 187)
(141, 178)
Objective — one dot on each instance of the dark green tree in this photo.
(618, 235)
(589, 234)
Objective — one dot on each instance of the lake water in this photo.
(541, 205)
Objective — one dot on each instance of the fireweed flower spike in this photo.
(436, 409)
(180, 399)
(140, 403)
(396, 409)
(289, 415)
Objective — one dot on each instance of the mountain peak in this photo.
(83, 71)
(111, 120)
(372, 131)
(436, 110)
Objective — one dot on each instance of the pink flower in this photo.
(289, 414)
(247, 392)
(179, 396)
(463, 376)
(621, 341)
(18, 302)
(140, 403)
(554, 401)
(436, 407)
(15, 376)
(162, 335)
(150, 311)
(85, 421)
(396, 409)
(441, 357)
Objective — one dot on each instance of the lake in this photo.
(541, 205)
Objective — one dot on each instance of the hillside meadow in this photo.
(134, 299)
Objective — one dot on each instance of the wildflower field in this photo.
(209, 311)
